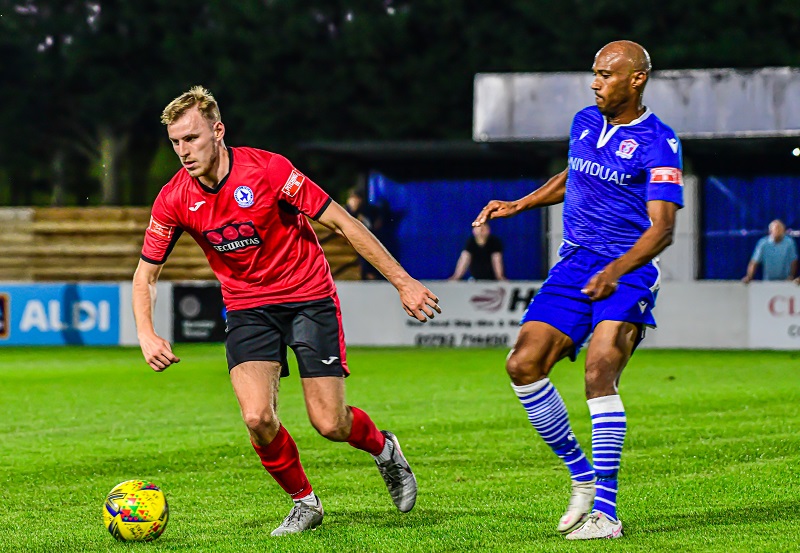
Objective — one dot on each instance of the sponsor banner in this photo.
(774, 315)
(58, 314)
(198, 312)
(162, 315)
(475, 314)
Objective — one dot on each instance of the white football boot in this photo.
(302, 517)
(597, 526)
(580, 505)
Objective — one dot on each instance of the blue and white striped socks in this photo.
(548, 415)
(608, 433)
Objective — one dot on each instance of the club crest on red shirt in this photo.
(293, 183)
(627, 147)
(243, 196)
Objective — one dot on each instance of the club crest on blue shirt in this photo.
(627, 147)
(243, 196)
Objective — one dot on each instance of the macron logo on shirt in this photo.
(673, 144)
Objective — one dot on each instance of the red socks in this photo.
(282, 461)
(365, 435)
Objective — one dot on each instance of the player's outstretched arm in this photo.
(418, 301)
(157, 351)
(652, 242)
(550, 193)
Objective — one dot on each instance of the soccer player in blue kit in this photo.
(621, 191)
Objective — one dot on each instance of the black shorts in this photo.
(313, 329)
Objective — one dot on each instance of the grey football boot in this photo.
(302, 517)
(400, 480)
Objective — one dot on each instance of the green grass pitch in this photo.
(710, 463)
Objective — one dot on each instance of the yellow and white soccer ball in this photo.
(136, 510)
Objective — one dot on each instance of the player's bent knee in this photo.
(601, 378)
(524, 369)
(260, 422)
(332, 429)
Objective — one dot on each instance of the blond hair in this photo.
(196, 96)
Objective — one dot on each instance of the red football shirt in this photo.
(252, 228)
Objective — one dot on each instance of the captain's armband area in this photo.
(666, 175)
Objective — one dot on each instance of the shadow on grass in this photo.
(389, 518)
(745, 515)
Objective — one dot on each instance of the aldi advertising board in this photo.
(702, 314)
(55, 314)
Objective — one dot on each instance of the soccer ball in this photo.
(136, 510)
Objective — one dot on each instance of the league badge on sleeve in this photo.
(627, 147)
(160, 229)
(243, 196)
(293, 183)
(666, 175)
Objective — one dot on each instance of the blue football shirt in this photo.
(614, 170)
(776, 257)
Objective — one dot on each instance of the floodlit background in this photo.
(430, 108)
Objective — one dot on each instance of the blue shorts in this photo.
(561, 304)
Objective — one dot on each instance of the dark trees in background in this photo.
(84, 81)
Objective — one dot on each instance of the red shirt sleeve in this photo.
(297, 189)
(162, 233)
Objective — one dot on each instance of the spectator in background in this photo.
(373, 218)
(482, 255)
(777, 253)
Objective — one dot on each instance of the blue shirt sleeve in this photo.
(572, 128)
(793, 248)
(758, 252)
(664, 163)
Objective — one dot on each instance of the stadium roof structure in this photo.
(464, 158)
(440, 158)
(729, 121)
(697, 103)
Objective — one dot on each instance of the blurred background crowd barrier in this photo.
(104, 244)
(695, 315)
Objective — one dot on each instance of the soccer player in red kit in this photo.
(247, 210)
